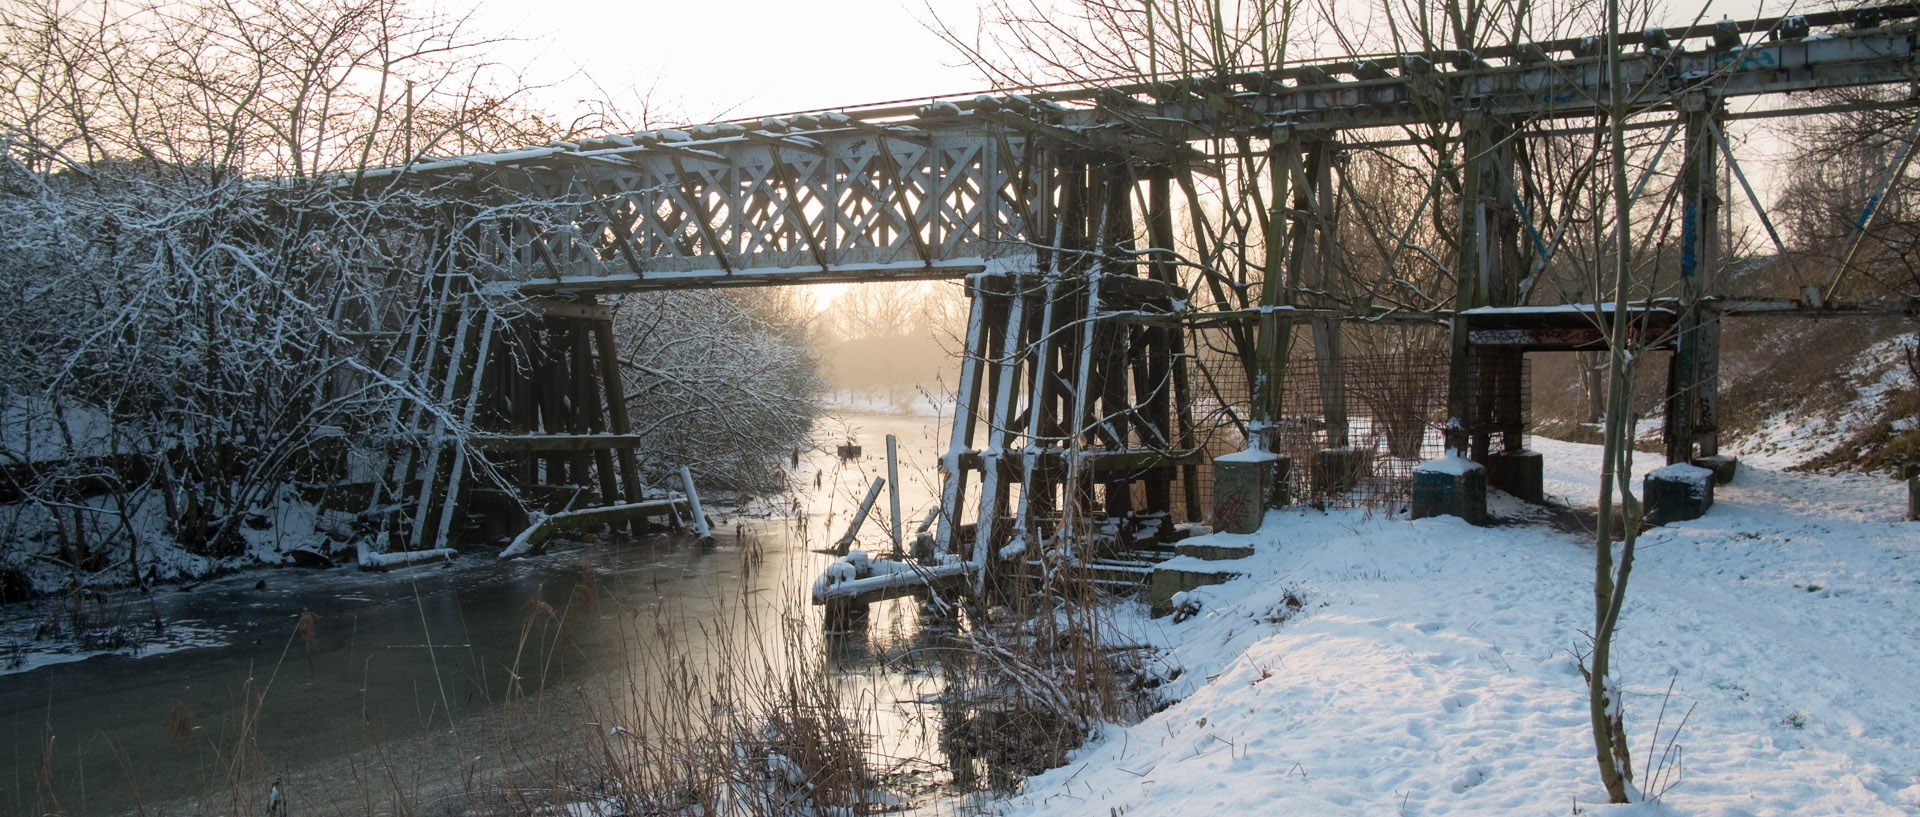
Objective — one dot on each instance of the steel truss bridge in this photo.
(1061, 208)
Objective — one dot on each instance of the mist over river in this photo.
(414, 685)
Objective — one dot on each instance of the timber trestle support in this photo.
(1159, 272)
(542, 428)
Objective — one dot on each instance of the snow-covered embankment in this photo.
(1430, 667)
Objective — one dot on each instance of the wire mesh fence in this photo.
(1355, 427)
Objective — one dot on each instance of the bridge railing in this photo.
(727, 205)
(948, 188)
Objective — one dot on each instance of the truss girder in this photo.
(1578, 88)
(849, 205)
(940, 191)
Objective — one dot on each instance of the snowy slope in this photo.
(1431, 670)
(1803, 429)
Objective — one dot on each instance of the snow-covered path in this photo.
(1431, 670)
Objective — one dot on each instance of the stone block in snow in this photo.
(1450, 486)
(1676, 493)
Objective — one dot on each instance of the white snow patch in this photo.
(1693, 476)
(1792, 437)
(405, 557)
(903, 399)
(1452, 465)
(35, 429)
(1431, 670)
(22, 651)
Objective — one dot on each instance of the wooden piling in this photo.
(893, 494)
(841, 547)
(693, 507)
(621, 424)
(587, 381)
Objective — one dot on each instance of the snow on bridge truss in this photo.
(810, 200)
(959, 186)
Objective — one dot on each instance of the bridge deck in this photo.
(953, 187)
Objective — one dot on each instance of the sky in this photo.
(686, 62)
(700, 61)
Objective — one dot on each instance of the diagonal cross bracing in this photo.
(939, 191)
(837, 205)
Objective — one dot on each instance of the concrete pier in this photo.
(1521, 474)
(1450, 486)
(1677, 493)
(1245, 485)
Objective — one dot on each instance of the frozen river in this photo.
(416, 683)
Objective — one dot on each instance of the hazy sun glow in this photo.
(823, 295)
(732, 58)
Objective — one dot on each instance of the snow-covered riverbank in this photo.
(1430, 666)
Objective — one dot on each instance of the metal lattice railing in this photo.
(1394, 406)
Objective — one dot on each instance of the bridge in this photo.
(1137, 251)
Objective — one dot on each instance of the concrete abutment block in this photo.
(1450, 486)
(1245, 485)
(1723, 467)
(1677, 493)
(1521, 474)
(1168, 583)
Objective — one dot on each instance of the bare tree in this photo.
(1846, 163)
(889, 336)
(1587, 253)
(722, 382)
(206, 303)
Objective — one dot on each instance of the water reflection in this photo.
(416, 687)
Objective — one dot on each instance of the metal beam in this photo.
(973, 145)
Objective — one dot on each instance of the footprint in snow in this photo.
(1420, 728)
(1473, 777)
(1458, 701)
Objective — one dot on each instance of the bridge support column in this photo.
(1073, 372)
(1245, 485)
(1174, 340)
(984, 307)
(1486, 387)
(1691, 430)
(1116, 414)
(439, 468)
(1037, 475)
(1336, 466)
(554, 416)
(1004, 360)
